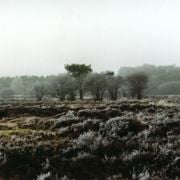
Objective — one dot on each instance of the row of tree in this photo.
(163, 80)
(79, 81)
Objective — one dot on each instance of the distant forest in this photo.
(162, 80)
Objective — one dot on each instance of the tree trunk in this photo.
(139, 95)
(72, 96)
(81, 93)
(62, 98)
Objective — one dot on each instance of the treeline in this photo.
(79, 82)
(163, 80)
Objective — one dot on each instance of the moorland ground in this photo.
(124, 139)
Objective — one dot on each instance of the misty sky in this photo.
(40, 36)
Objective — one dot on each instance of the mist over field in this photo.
(39, 37)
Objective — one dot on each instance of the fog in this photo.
(40, 36)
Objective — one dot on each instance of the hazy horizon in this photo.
(39, 36)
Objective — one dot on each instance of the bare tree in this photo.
(39, 90)
(17, 85)
(64, 85)
(137, 84)
(96, 84)
(7, 93)
(114, 84)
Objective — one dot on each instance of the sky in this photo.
(40, 36)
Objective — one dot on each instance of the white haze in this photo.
(40, 36)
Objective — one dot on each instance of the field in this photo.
(126, 139)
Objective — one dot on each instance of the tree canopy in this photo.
(79, 72)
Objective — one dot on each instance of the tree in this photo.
(6, 93)
(5, 82)
(114, 84)
(39, 90)
(63, 85)
(96, 84)
(79, 72)
(157, 75)
(72, 87)
(17, 86)
(169, 88)
(137, 84)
